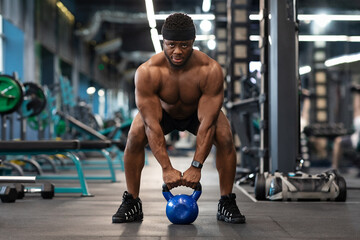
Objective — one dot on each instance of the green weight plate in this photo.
(33, 122)
(11, 94)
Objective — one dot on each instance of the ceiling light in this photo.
(329, 38)
(67, 13)
(314, 17)
(91, 90)
(211, 44)
(150, 13)
(342, 59)
(305, 69)
(193, 16)
(328, 17)
(200, 37)
(155, 39)
(101, 92)
(206, 5)
(321, 38)
(205, 25)
(152, 23)
(322, 21)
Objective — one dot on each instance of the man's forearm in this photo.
(157, 145)
(204, 141)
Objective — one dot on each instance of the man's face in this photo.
(178, 52)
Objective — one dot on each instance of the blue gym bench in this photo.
(67, 148)
(117, 145)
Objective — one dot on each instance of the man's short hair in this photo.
(178, 26)
(178, 21)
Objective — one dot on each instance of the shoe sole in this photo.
(137, 218)
(230, 220)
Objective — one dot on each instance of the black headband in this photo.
(178, 35)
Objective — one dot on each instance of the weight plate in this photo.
(33, 122)
(34, 100)
(11, 94)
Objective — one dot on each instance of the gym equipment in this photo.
(118, 143)
(47, 190)
(8, 194)
(329, 130)
(34, 100)
(38, 122)
(244, 115)
(66, 147)
(27, 164)
(46, 163)
(11, 94)
(243, 118)
(83, 113)
(300, 186)
(182, 208)
(10, 169)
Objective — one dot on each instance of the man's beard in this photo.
(178, 66)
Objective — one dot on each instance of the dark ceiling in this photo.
(135, 31)
(135, 36)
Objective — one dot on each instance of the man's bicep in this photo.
(147, 101)
(149, 107)
(209, 107)
(212, 97)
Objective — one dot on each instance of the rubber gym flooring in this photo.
(69, 216)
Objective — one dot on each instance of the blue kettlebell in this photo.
(182, 208)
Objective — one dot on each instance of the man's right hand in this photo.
(172, 178)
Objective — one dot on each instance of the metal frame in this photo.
(284, 89)
(83, 189)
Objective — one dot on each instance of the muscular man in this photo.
(179, 88)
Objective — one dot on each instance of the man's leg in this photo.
(225, 155)
(228, 210)
(130, 209)
(134, 155)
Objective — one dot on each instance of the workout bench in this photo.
(93, 134)
(66, 147)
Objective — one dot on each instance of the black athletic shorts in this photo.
(346, 142)
(168, 124)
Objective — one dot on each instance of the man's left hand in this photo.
(191, 177)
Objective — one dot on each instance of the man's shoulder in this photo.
(153, 64)
(150, 71)
(204, 60)
(156, 60)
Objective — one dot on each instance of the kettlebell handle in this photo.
(166, 189)
(168, 195)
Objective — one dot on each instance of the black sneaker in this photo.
(130, 210)
(228, 211)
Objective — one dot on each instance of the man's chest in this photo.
(184, 89)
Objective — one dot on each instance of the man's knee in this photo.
(224, 138)
(136, 140)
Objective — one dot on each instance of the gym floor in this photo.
(69, 216)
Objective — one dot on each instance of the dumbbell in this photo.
(8, 194)
(47, 190)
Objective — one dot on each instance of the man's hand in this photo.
(191, 177)
(172, 178)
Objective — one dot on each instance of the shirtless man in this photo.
(179, 88)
